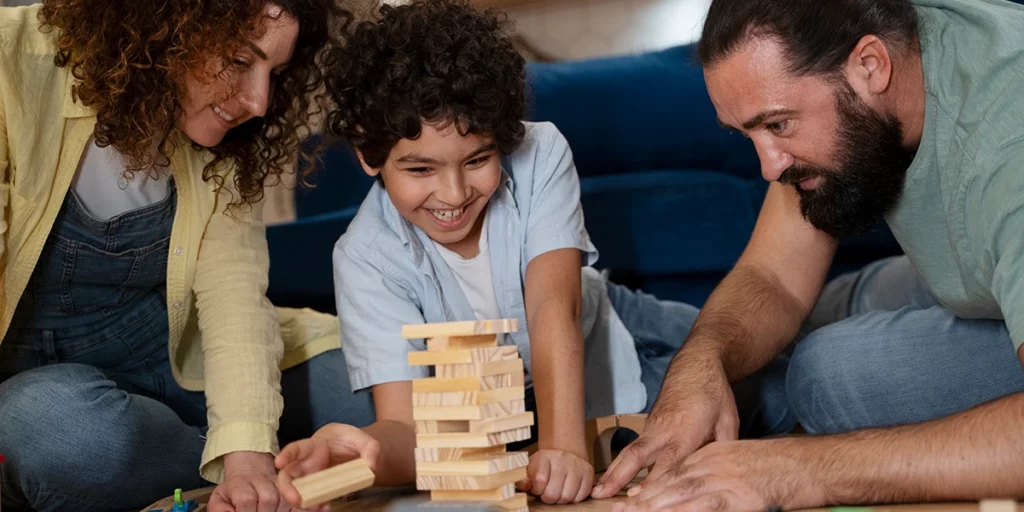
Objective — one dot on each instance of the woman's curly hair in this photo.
(130, 56)
(433, 61)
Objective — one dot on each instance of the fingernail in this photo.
(597, 489)
(634, 491)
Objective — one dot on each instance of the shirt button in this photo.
(177, 304)
(178, 251)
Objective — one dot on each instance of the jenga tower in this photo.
(468, 412)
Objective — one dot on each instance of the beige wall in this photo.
(576, 29)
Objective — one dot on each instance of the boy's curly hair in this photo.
(130, 58)
(434, 61)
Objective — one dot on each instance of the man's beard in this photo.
(868, 179)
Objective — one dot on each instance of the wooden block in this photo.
(469, 412)
(470, 328)
(488, 426)
(487, 464)
(442, 427)
(490, 396)
(500, 494)
(464, 356)
(469, 483)
(492, 425)
(472, 440)
(449, 371)
(599, 432)
(455, 454)
(333, 483)
(457, 342)
(517, 503)
(436, 385)
(998, 506)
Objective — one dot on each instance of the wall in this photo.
(575, 29)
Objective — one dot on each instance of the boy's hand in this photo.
(558, 477)
(331, 445)
(249, 485)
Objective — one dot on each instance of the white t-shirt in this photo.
(474, 277)
(103, 190)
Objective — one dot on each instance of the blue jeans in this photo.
(91, 437)
(881, 352)
(659, 328)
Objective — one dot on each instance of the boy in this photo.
(475, 215)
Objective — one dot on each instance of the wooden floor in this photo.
(378, 500)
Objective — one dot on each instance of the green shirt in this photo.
(961, 217)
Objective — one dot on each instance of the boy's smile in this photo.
(441, 182)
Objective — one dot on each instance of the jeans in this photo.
(81, 438)
(881, 352)
(659, 328)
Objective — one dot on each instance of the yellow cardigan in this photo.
(225, 336)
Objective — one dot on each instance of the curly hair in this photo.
(128, 57)
(433, 61)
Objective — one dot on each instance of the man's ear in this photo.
(869, 67)
(370, 171)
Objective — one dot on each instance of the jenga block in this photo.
(332, 483)
(488, 464)
(470, 328)
(436, 385)
(449, 371)
(469, 483)
(442, 427)
(464, 356)
(458, 342)
(998, 506)
(493, 425)
(516, 503)
(490, 396)
(469, 412)
(472, 440)
(500, 494)
(455, 454)
(488, 426)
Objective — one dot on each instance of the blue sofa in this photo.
(670, 198)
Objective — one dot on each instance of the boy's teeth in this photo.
(447, 215)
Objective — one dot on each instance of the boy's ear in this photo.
(371, 171)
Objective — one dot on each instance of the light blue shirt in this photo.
(388, 273)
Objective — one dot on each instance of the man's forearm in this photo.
(396, 464)
(748, 320)
(972, 455)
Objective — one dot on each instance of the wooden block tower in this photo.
(466, 414)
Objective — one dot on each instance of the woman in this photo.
(135, 140)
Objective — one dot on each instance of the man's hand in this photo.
(249, 485)
(696, 406)
(558, 477)
(333, 444)
(736, 476)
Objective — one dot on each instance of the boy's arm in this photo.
(396, 433)
(553, 303)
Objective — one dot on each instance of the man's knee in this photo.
(822, 383)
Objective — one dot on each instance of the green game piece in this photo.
(177, 498)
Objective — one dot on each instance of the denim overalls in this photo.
(98, 297)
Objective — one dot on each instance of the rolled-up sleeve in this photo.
(241, 339)
(556, 215)
(373, 305)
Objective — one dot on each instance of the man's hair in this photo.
(435, 61)
(817, 36)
